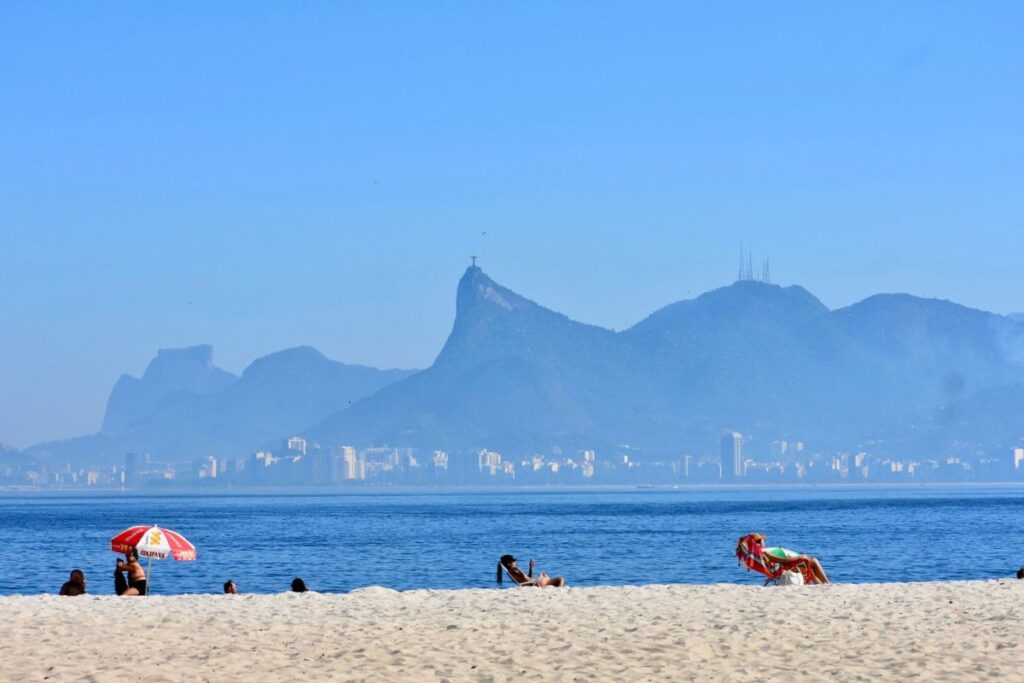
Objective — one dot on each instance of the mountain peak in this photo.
(491, 319)
(202, 353)
(477, 291)
(188, 369)
(763, 291)
(170, 366)
(287, 360)
(744, 302)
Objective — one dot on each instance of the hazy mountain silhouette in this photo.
(207, 411)
(894, 373)
(769, 361)
(276, 395)
(186, 371)
(511, 372)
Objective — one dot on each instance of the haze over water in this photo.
(453, 539)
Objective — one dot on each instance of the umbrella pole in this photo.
(149, 574)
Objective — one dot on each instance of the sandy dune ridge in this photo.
(964, 631)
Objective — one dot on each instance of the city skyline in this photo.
(299, 463)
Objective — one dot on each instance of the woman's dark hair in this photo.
(226, 584)
(298, 585)
(1020, 573)
(504, 562)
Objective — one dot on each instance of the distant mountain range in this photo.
(185, 407)
(893, 373)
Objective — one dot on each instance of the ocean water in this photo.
(453, 539)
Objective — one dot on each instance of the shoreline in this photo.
(755, 584)
(967, 630)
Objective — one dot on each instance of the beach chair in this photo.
(519, 584)
(750, 551)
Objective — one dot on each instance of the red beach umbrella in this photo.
(152, 542)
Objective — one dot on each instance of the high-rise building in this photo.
(378, 462)
(732, 456)
(589, 461)
(489, 462)
(349, 468)
(1018, 459)
(205, 468)
(296, 444)
(440, 460)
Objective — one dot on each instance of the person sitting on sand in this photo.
(508, 564)
(230, 588)
(75, 585)
(136, 584)
(1020, 573)
(299, 586)
(781, 557)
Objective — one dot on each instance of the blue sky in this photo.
(258, 176)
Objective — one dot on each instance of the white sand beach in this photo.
(964, 631)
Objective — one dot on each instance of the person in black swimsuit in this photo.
(136, 583)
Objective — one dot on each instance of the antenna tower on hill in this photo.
(745, 272)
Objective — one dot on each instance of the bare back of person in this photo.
(136, 575)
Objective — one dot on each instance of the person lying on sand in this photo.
(508, 563)
(136, 584)
(75, 585)
(787, 558)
